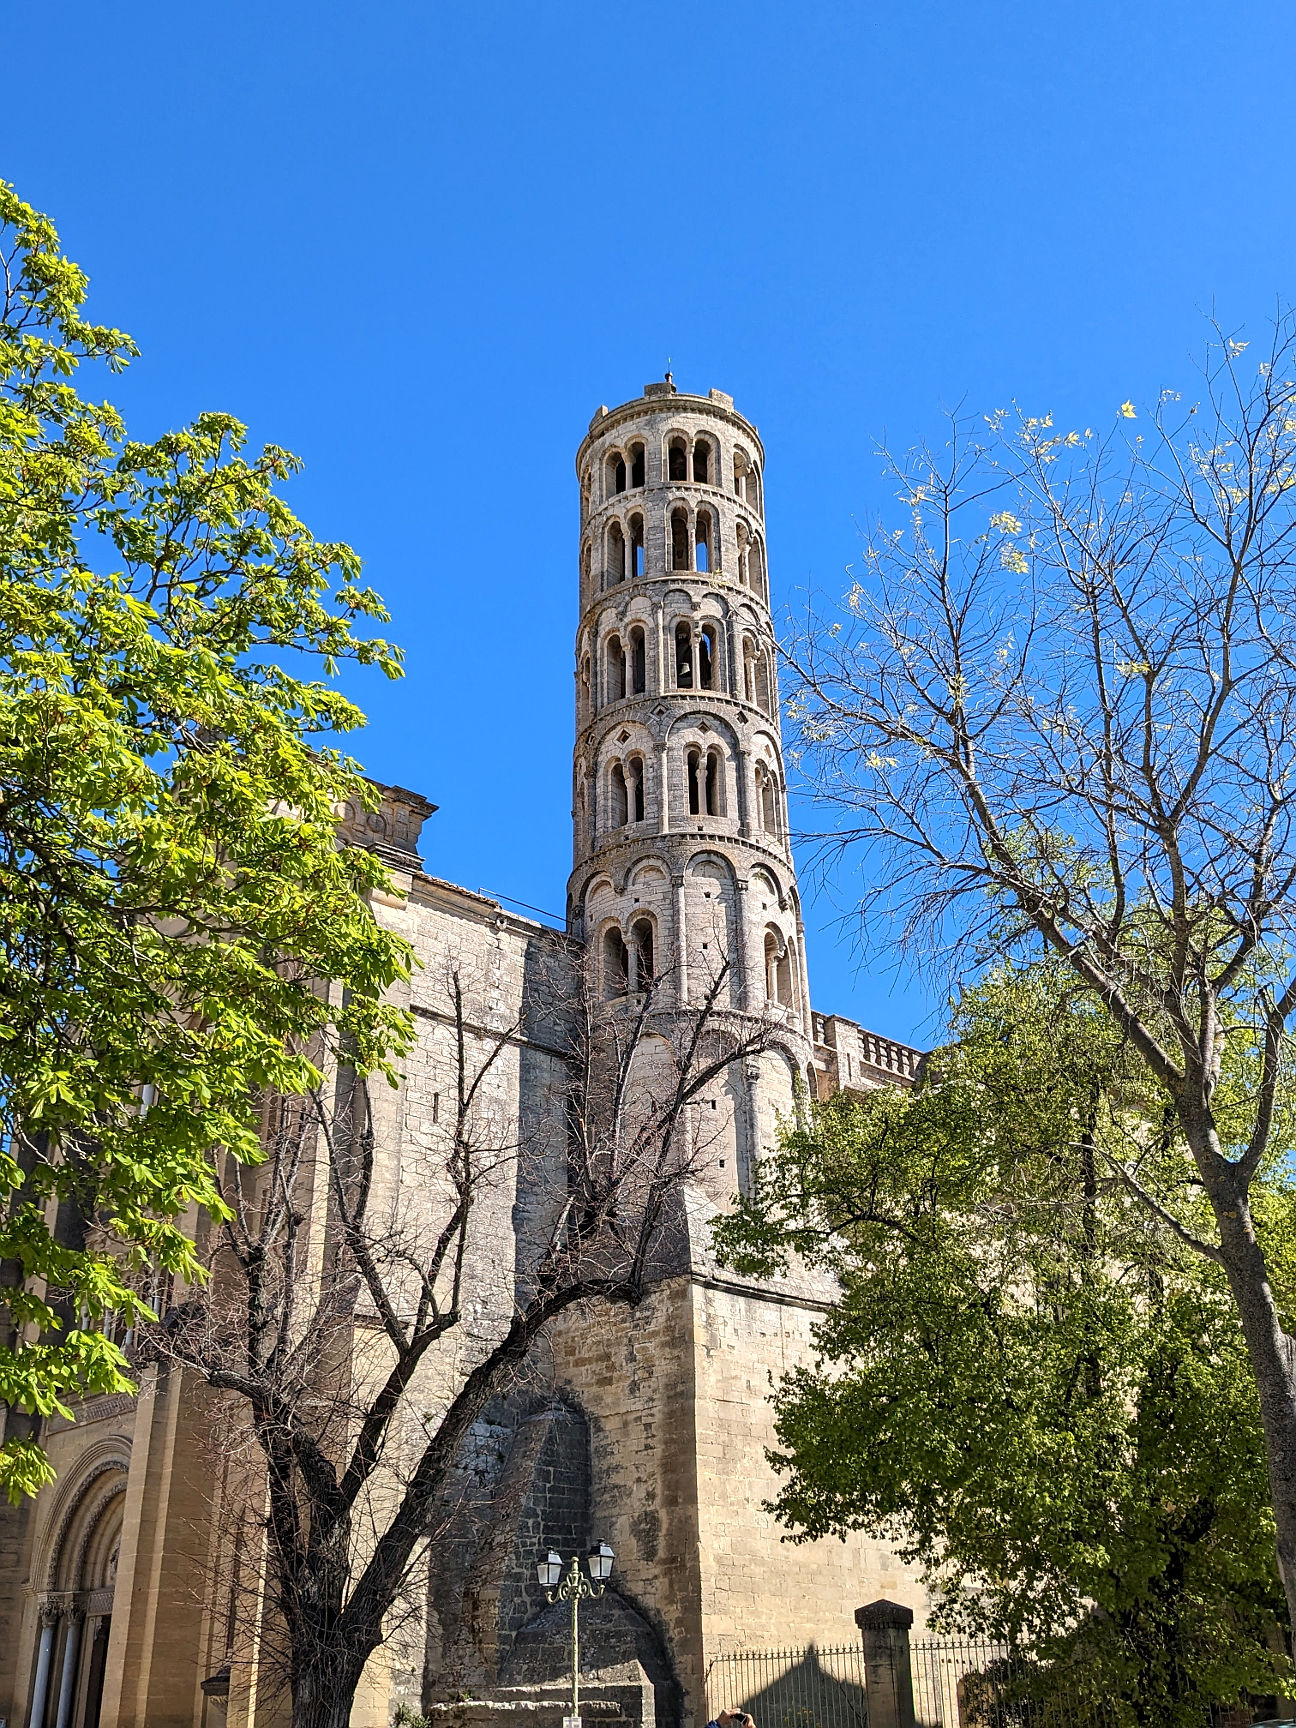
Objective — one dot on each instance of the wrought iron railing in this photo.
(811, 1688)
(957, 1683)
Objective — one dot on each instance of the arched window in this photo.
(584, 695)
(778, 969)
(616, 669)
(618, 807)
(756, 565)
(702, 462)
(706, 781)
(767, 799)
(616, 473)
(749, 669)
(762, 696)
(636, 546)
(683, 657)
(634, 782)
(641, 953)
(707, 657)
(585, 561)
(704, 542)
(714, 788)
(744, 558)
(638, 658)
(585, 496)
(679, 539)
(637, 471)
(677, 460)
(746, 480)
(615, 554)
(616, 964)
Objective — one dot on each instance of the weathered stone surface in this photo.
(645, 1428)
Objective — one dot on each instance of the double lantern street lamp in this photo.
(575, 1588)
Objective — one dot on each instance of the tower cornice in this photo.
(639, 407)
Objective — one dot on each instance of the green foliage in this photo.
(171, 887)
(1030, 1385)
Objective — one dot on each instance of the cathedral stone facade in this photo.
(643, 1428)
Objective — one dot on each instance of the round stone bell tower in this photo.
(682, 869)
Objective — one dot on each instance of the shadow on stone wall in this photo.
(523, 1486)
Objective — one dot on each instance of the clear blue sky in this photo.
(419, 243)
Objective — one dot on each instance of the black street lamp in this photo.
(575, 1588)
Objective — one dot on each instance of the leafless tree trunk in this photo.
(1058, 707)
(322, 1340)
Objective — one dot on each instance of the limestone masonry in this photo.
(646, 1429)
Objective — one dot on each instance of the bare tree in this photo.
(1059, 707)
(331, 1349)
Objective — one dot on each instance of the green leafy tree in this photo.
(1031, 1384)
(1057, 714)
(172, 892)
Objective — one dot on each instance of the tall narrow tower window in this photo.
(637, 468)
(715, 802)
(762, 695)
(702, 462)
(641, 953)
(778, 969)
(636, 546)
(616, 669)
(679, 540)
(756, 567)
(638, 660)
(706, 657)
(618, 811)
(767, 798)
(634, 777)
(693, 770)
(616, 473)
(683, 657)
(744, 566)
(616, 964)
(677, 460)
(703, 541)
(615, 554)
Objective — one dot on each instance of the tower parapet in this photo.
(682, 863)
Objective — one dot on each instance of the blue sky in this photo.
(419, 243)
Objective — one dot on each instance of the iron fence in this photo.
(957, 1683)
(974, 1683)
(810, 1688)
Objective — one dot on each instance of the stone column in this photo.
(681, 941)
(740, 959)
(44, 1656)
(888, 1679)
(807, 1025)
(68, 1679)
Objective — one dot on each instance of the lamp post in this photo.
(575, 1588)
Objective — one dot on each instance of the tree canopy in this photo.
(1030, 1384)
(1057, 714)
(172, 892)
